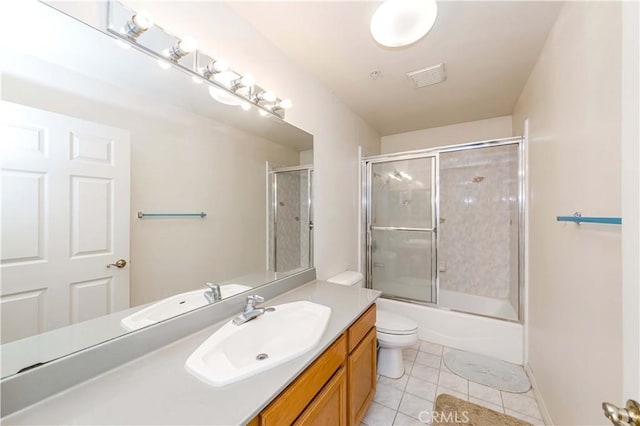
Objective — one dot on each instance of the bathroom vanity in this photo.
(333, 381)
(337, 388)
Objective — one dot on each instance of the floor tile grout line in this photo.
(442, 367)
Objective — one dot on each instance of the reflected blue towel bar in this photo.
(143, 214)
(582, 219)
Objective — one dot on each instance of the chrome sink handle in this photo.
(213, 294)
(252, 299)
(250, 311)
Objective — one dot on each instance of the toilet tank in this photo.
(350, 278)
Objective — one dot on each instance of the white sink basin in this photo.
(236, 352)
(176, 305)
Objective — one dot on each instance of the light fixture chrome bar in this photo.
(123, 24)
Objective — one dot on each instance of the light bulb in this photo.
(285, 104)
(187, 44)
(245, 82)
(248, 80)
(181, 49)
(268, 96)
(220, 65)
(215, 67)
(143, 20)
(139, 23)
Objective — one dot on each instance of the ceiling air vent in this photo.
(428, 76)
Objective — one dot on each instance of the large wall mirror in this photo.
(126, 188)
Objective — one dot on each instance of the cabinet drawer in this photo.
(293, 400)
(361, 327)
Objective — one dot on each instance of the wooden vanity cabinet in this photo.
(361, 365)
(337, 388)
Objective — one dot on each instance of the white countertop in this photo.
(156, 388)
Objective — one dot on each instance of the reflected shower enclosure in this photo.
(443, 227)
(290, 219)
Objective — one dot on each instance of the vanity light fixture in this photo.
(284, 104)
(138, 24)
(225, 85)
(181, 49)
(214, 67)
(245, 82)
(264, 96)
(397, 23)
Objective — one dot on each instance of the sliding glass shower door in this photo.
(401, 228)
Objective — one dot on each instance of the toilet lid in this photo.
(387, 322)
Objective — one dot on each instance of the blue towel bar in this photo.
(577, 218)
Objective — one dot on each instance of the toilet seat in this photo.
(392, 324)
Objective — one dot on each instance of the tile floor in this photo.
(399, 402)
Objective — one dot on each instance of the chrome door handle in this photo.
(120, 263)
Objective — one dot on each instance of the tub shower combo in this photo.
(444, 228)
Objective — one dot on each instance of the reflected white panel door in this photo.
(65, 216)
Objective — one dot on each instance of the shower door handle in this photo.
(310, 224)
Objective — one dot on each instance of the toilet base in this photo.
(390, 363)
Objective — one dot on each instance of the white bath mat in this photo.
(488, 371)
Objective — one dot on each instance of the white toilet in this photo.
(394, 332)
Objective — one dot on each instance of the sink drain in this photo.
(261, 357)
(269, 309)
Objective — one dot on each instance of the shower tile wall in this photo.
(478, 222)
(292, 226)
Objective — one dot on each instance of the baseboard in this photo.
(546, 417)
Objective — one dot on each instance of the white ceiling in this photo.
(488, 48)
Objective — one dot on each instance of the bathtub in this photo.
(493, 337)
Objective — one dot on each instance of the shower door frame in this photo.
(274, 206)
(369, 162)
(435, 152)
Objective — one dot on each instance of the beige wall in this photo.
(491, 128)
(572, 100)
(337, 130)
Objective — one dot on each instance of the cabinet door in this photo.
(291, 403)
(361, 372)
(330, 406)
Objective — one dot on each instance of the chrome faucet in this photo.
(213, 294)
(250, 311)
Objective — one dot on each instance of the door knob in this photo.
(623, 416)
(120, 263)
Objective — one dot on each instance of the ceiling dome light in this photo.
(223, 97)
(397, 23)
